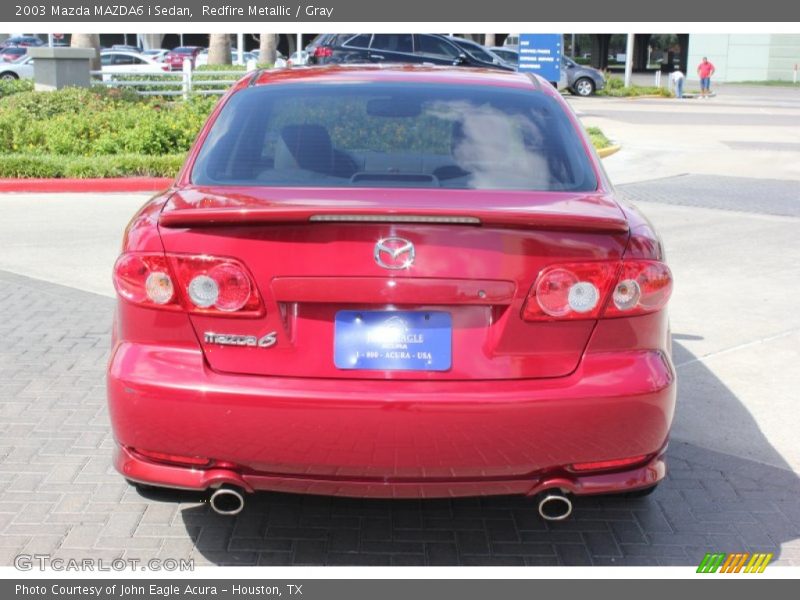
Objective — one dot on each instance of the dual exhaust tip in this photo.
(228, 501)
(552, 506)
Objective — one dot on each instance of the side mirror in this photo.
(462, 58)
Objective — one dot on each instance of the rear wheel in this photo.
(583, 87)
(140, 487)
(644, 492)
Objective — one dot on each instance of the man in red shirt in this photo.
(705, 70)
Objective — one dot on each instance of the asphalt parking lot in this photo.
(727, 205)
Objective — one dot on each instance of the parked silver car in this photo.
(582, 80)
(578, 79)
(19, 69)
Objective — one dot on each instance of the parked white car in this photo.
(202, 58)
(118, 61)
(299, 58)
(156, 54)
(19, 69)
(280, 59)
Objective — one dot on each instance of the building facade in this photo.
(746, 57)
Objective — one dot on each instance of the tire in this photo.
(643, 493)
(8, 75)
(583, 87)
(140, 487)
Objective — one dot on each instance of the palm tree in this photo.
(88, 40)
(268, 47)
(219, 49)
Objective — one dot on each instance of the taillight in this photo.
(570, 291)
(216, 285)
(198, 284)
(643, 286)
(145, 279)
(323, 52)
(592, 290)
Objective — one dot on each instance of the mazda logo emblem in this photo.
(394, 253)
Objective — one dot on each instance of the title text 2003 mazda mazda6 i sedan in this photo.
(392, 282)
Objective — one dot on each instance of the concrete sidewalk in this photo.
(70, 239)
(743, 131)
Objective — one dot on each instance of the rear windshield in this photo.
(394, 135)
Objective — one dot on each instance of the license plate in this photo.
(393, 340)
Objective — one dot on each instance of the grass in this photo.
(634, 91)
(768, 83)
(598, 138)
(31, 165)
(616, 88)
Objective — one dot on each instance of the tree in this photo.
(268, 48)
(88, 40)
(219, 49)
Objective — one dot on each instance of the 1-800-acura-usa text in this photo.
(392, 282)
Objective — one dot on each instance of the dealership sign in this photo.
(540, 53)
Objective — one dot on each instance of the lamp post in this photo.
(629, 60)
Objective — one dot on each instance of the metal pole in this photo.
(187, 77)
(573, 46)
(629, 60)
(299, 42)
(240, 48)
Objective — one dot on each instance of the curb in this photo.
(608, 151)
(648, 97)
(96, 185)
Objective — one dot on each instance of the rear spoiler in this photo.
(495, 217)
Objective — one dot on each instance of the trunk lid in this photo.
(313, 253)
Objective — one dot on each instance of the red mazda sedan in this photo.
(392, 282)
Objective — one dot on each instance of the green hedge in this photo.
(94, 132)
(615, 88)
(15, 86)
(98, 122)
(598, 138)
(635, 90)
(116, 165)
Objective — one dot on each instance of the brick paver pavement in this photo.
(763, 196)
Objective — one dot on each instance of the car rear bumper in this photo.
(390, 438)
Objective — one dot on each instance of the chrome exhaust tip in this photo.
(227, 501)
(554, 507)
